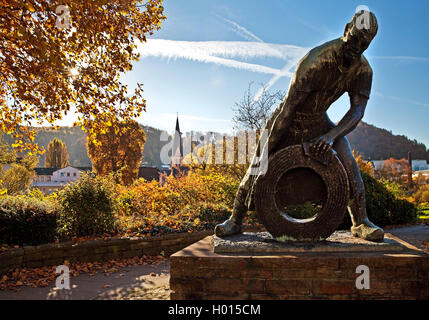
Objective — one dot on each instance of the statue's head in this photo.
(359, 33)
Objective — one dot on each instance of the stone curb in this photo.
(96, 250)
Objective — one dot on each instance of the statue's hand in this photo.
(322, 144)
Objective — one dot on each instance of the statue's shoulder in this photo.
(361, 78)
(364, 65)
(319, 56)
(313, 67)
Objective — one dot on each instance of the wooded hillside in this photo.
(380, 144)
(371, 142)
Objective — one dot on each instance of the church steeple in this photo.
(177, 152)
(177, 124)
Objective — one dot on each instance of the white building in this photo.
(424, 173)
(51, 179)
(417, 165)
(66, 174)
(378, 164)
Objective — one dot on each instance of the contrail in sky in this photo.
(401, 58)
(284, 72)
(234, 54)
(225, 53)
(242, 31)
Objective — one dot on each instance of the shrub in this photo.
(404, 212)
(182, 204)
(212, 214)
(87, 207)
(302, 211)
(422, 194)
(399, 191)
(17, 179)
(220, 186)
(26, 220)
(191, 218)
(382, 206)
(149, 199)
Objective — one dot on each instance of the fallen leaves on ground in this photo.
(137, 293)
(426, 243)
(158, 293)
(42, 277)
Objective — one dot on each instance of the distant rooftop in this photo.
(45, 171)
(50, 171)
(149, 173)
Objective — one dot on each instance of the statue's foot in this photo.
(227, 228)
(368, 231)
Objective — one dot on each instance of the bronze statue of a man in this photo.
(322, 76)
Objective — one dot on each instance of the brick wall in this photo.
(198, 273)
(95, 250)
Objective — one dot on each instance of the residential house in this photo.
(49, 180)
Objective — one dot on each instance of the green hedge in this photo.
(26, 221)
(83, 208)
(87, 207)
(383, 208)
(213, 214)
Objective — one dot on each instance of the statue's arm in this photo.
(359, 92)
(351, 119)
(346, 125)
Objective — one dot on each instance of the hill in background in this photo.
(380, 144)
(371, 142)
(75, 140)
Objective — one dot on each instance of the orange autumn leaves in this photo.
(182, 204)
(96, 207)
(44, 276)
(116, 149)
(47, 71)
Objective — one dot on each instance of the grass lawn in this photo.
(424, 214)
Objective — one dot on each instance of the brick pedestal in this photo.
(199, 273)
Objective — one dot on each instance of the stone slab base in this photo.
(263, 243)
(197, 272)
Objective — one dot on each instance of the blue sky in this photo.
(207, 52)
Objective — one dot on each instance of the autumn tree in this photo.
(422, 194)
(393, 169)
(117, 149)
(7, 155)
(57, 155)
(365, 166)
(254, 109)
(19, 176)
(62, 57)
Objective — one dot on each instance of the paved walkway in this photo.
(414, 235)
(151, 281)
(134, 282)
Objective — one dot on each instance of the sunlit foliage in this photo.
(56, 58)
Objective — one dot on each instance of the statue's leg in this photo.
(362, 227)
(234, 223)
(243, 198)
